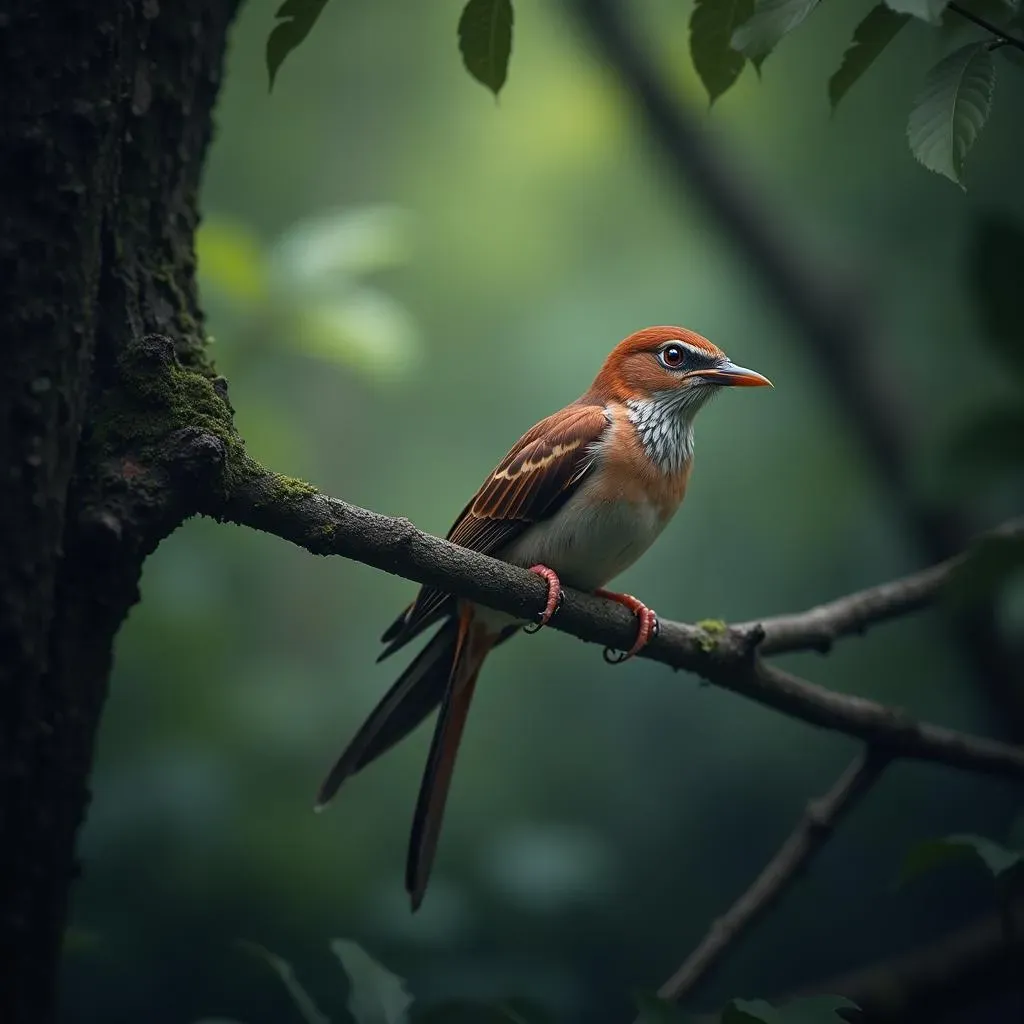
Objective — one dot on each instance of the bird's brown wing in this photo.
(530, 484)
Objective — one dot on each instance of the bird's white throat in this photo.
(664, 424)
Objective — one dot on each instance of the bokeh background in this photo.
(401, 276)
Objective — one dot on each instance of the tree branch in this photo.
(818, 628)
(811, 833)
(725, 656)
(999, 35)
(934, 981)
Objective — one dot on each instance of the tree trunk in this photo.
(105, 118)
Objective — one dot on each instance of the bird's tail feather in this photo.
(418, 690)
(471, 648)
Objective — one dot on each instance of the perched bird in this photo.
(577, 500)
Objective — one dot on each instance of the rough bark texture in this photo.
(105, 117)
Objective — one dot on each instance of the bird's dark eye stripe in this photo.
(675, 355)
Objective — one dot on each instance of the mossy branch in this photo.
(174, 446)
(170, 450)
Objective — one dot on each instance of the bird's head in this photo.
(664, 375)
(671, 365)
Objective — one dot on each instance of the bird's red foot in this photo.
(555, 597)
(646, 632)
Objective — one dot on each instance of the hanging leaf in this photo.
(996, 268)
(376, 996)
(933, 853)
(485, 41)
(926, 10)
(655, 1010)
(750, 1011)
(951, 110)
(823, 1009)
(770, 22)
(297, 18)
(712, 25)
(870, 38)
(308, 1009)
(811, 1010)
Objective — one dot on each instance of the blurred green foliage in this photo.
(600, 818)
(935, 852)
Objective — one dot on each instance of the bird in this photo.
(577, 500)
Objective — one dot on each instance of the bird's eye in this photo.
(671, 356)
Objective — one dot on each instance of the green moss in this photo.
(713, 630)
(191, 338)
(156, 396)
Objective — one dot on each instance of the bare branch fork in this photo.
(811, 833)
(731, 657)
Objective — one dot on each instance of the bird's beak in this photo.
(730, 375)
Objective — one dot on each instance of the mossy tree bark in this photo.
(105, 118)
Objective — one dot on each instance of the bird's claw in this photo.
(647, 631)
(556, 596)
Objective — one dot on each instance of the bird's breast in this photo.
(611, 519)
(614, 516)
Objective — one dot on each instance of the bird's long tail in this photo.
(418, 690)
(472, 645)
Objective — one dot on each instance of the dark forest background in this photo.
(400, 275)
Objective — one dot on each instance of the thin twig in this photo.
(725, 656)
(812, 831)
(934, 981)
(818, 628)
(975, 19)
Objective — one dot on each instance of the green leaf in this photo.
(771, 20)
(231, 259)
(463, 1011)
(811, 1010)
(926, 10)
(297, 18)
(933, 853)
(990, 563)
(750, 1011)
(376, 996)
(303, 1000)
(996, 262)
(823, 1009)
(655, 1010)
(319, 254)
(951, 110)
(870, 38)
(485, 41)
(362, 330)
(712, 25)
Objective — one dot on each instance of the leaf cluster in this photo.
(954, 100)
(945, 119)
(378, 996)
